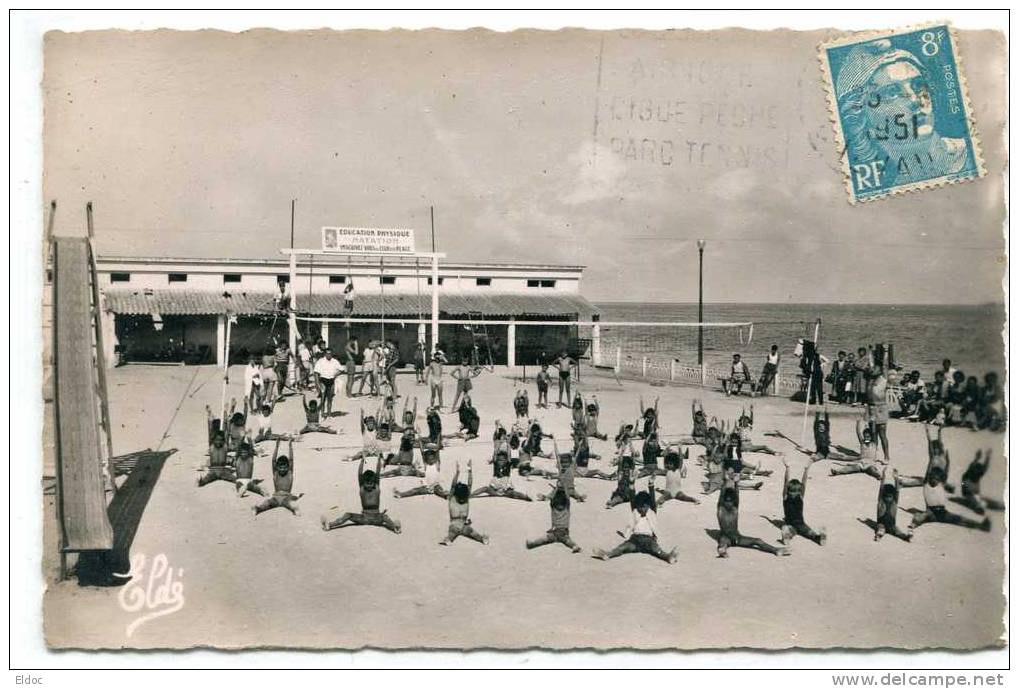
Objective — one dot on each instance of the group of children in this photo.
(394, 447)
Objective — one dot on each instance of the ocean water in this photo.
(971, 336)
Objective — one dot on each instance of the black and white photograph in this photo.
(459, 338)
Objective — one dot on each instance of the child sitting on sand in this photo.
(501, 485)
(699, 432)
(312, 413)
(625, 476)
(470, 421)
(521, 405)
(728, 523)
(675, 471)
(592, 412)
(459, 509)
(649, 419)
(641, 535)
(888, 506)
(745, 428)
(650, 452)
(244, 467)
(371, 496)
(559, 505)
(793, 492)
(219, 468)
(371, 444)
(934, 493)
(566, 478)
(429, 475)
(971, 496)
(282, 483)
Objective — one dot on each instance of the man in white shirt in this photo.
(326, 370)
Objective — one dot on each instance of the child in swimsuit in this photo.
(728, 523)
(501, 485)
(971, 496)
(282, 482)
(566, 478)
(675, 471)
(430, 476)
(560, 531)
(934, 493)
(312, 413)
(543, 379)
(793, 491)
(641, 535)
(434, 378)
(219, 468)
(591, 416)
(371, 495)
(459, 509)
(625, 477)
(244, 467)
(888, 506)
(521, 404)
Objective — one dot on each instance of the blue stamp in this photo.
(901, 112)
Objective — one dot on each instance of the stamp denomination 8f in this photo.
(901, 112)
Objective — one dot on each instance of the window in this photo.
(285, 279)
(49, 276)
(440, 281)
(534, 283)
(120, 277)
(548, 283)
(541, 283)
(483, 282)
(337, 279)
(387, 280)
(177, 277)
(231, 277)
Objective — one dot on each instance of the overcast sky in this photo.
(615, 151)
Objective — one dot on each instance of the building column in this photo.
(596, 340)
(511, 342)
(324, 332)
(107, 325)
(435, 303)
(220, 338)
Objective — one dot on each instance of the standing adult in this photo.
(350, 352)
(326, 370)
(565, 364)
(770, 370)
(877, 404)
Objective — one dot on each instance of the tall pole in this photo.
(431, 212)
(293, 208)
(700, 308)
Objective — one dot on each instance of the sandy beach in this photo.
(280, 581)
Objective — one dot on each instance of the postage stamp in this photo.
(901, 113)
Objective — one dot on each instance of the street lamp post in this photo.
(700, 308)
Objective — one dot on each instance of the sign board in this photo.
(368, 240)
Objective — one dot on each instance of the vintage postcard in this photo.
(568, 339)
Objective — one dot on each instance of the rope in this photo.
(176, 410)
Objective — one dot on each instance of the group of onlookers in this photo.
(951, 399)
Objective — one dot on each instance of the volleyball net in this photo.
(670, 351)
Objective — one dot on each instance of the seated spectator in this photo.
(739, 375)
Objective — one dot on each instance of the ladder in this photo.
(99, 356)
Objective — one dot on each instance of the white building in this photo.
(176, 309)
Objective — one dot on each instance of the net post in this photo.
(643, 367)
(291, 322)
(704, 374)
(511, 342)
(619, 359)
(435, 302)
(672, 371)
(596, 341)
